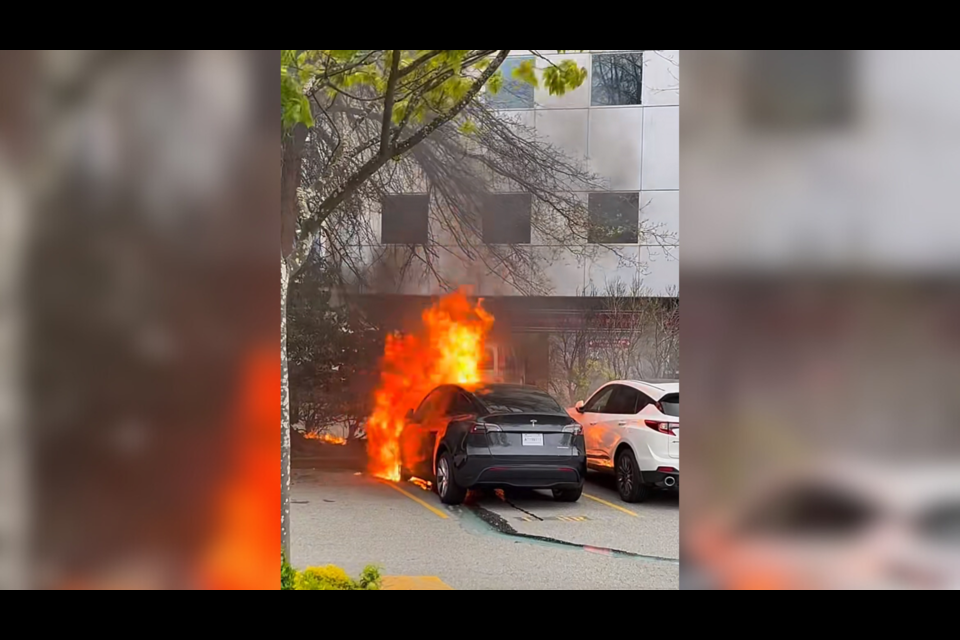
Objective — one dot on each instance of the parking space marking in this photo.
(423, 504)
(557, 518)
(611, 505)
(414, 583)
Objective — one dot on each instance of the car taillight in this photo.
(662, 427)
(574, 429)
(484, 428)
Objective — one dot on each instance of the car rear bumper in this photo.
(663, 479)
(522, 472)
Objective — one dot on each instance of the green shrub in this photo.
(331, 578)
(288, 574)
(328, 578)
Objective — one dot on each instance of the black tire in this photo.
(629, 479)
(568, 495)
(447, 488)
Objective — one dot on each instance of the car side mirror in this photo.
(579, 406)
(409, 416)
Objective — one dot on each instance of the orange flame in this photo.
(449, 351)
(324, 437)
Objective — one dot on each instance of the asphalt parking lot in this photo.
(522, 540)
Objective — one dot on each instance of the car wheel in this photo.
(447, 488)
(629, 480)
(568, 495)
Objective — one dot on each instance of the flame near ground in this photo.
(325, 437)
(448, 349)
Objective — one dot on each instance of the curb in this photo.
(414, 583)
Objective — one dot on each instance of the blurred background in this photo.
(138, 200)
(138, 193)
(823, 338)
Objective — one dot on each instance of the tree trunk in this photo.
(291, 155)
(284, 414)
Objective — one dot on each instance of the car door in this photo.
(591, 419)
(419, 434)
(619, 416)
(456, 405)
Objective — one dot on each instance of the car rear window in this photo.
(517, 400)
(671, 404)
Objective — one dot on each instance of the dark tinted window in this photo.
(517, 400)
(506, 218)
(800, 89)
(624, 400)
(942, 523)
(460, 404)
(811, 512)
(614, 218)
(671, 404)
(617, 78)
(643, 401)
(404, 219)
(598, 403)
(433, 405)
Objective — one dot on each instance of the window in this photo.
(624, 400)
(617, 79)
(404, 219)
(598, 403)
(614, 218)
(671, 404)
(432, 405)
(805, 89)
(506, 218)
(516, 399)
(642, 401)
(460, 405)
(514, 94)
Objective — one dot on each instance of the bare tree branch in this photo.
(388, 98)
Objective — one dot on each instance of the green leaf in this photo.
(468, 128)
(306, 115)
(495, 83)
(343, 56)
(400, 110)
(525, 72)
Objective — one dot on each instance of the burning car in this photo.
(493, 436)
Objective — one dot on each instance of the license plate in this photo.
(532, 439)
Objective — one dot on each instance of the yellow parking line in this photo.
(416, 499)
(611, 505)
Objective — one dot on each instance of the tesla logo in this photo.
(533, 423)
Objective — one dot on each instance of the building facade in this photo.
(623, 124)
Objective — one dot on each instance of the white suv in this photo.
(632, 429)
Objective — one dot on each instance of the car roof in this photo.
(500, 386)
(658, 388)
